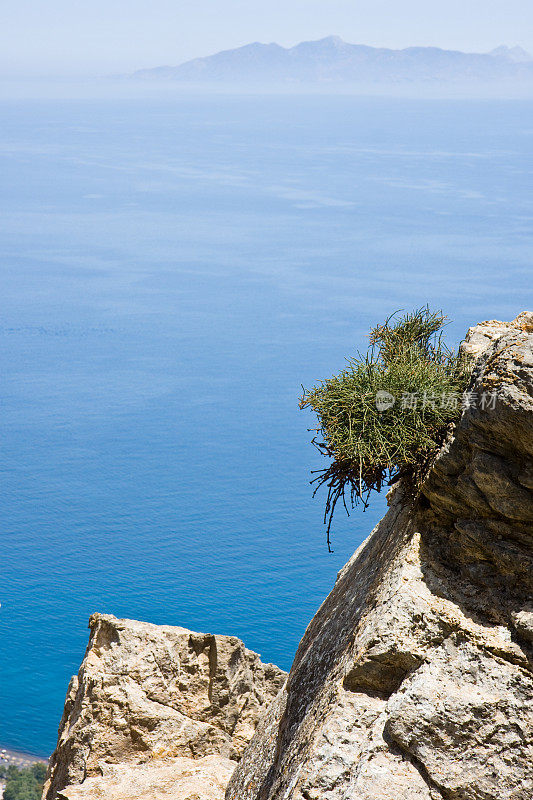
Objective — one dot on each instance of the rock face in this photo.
(415, 678)
(173, 710)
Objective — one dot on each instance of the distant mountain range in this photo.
(334, 61)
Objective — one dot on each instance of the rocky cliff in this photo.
(414, 680)
(157, 712)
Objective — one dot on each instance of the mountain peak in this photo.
(328, 42)
(331, 40)
(515, 54)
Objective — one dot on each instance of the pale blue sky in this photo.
(45, 37)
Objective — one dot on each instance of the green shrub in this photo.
(368, 447)
(23, 783)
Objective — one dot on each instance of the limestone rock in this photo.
(170, 779)
(146, 693)
(415, 678)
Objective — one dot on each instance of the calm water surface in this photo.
(172, 271)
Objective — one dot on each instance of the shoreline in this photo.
(19, 758)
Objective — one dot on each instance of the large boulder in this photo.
(159, 701)
(415, 678)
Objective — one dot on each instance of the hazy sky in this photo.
(101, 36)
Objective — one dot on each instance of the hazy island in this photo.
(332, 61)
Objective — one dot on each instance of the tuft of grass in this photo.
(370, 446)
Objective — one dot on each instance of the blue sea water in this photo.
(173, 269)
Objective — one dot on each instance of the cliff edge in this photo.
(415, 678)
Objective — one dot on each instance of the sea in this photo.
(175, 268)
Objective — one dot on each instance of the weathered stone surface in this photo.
(147, 692)
(467, 717)
(415, 678)
(170, 779)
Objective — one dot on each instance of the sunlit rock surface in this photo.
(149, 693)
(168, 779)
